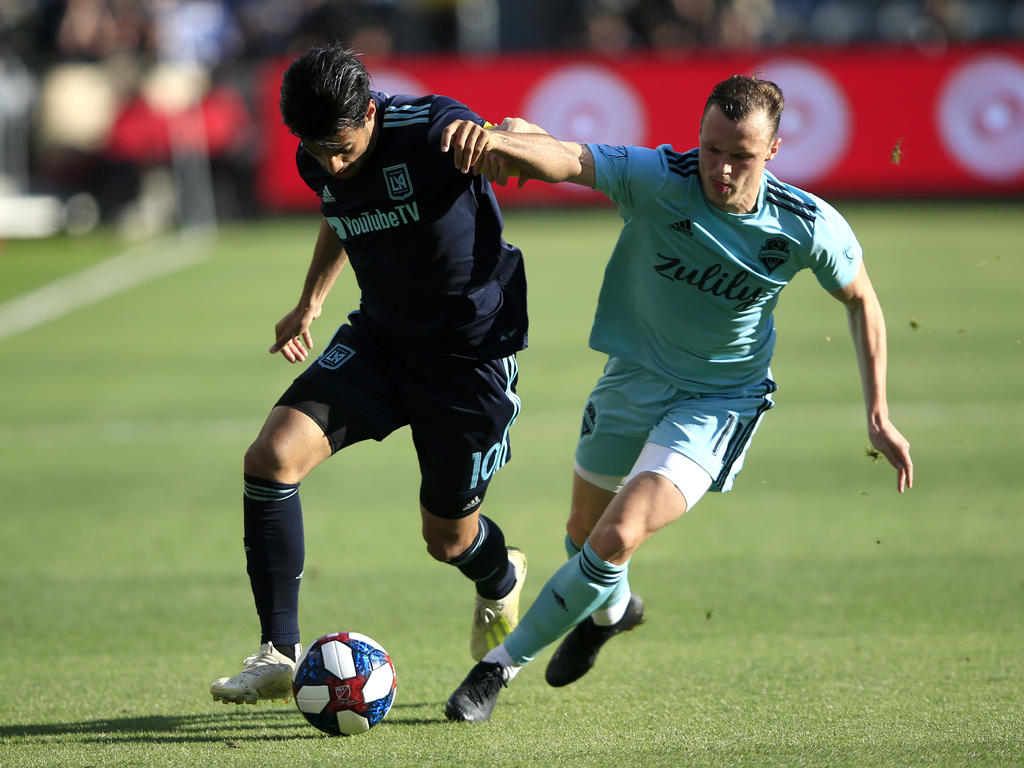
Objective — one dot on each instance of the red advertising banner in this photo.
(867, 122)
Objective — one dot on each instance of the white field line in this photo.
(99, 281)
(909, 416)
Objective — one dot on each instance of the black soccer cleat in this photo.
(474, 700)
(578, 651)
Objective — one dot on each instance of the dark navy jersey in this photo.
(425, 240)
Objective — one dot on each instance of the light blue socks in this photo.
(584, 583)
(615, 606)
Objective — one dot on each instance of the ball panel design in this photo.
(351, 723)
(379, 683)
(312, 698)
(344, 683)
(338, 659)
(364, 639)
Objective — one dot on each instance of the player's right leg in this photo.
(616, 422)
(343, 397)
(697, 443)
(622, 611)
(592, 578)
(586, 582)
(305, 427)
(288, 446)
(661, 487)
(266, 674)
(573, 592)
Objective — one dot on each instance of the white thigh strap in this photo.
(688, 476)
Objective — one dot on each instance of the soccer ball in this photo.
(344, 683)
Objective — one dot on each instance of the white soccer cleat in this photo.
(494, 620)
(267, 675)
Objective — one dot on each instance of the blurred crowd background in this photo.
(86, 86)
(218, 32)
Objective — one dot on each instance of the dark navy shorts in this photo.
(459, 410)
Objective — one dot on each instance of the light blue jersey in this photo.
(689, 290)
(685, 315)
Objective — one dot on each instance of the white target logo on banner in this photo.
(981, 117)
(815, 126)
(392, 81)
(587, 103)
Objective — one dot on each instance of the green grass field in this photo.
(812, 617)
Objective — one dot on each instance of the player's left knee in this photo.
(449, 528)
(445, 546)
(615, 542)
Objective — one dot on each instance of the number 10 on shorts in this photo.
(486, 464)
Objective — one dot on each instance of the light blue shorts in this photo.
(631, 406)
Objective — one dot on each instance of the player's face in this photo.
(732, 157)
(345, 152)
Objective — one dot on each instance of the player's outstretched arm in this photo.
(292, 337)
(500, 153)
(582, 152)
(867, 327)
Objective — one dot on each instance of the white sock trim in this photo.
(605, 617)
(503, 658)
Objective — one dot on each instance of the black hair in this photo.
(324, 91)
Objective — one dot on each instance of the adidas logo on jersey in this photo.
(684, 227)
(325, 195)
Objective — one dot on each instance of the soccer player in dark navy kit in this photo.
(442, 314)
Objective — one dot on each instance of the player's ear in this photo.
(773, 148)
(371, 110)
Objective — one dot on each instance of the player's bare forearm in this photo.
(537, 155)
(585, 176)
(329, 258)
(534, 154)
(292, 337)
(867, 329)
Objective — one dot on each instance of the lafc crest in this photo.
(399, 182)
(774, 252)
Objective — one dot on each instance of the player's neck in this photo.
(374, 135)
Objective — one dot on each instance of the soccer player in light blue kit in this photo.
(709, 240)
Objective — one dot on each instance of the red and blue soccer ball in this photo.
(344, 683)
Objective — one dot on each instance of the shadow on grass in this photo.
(228, 727)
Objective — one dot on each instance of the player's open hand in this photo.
(473, 149)
(467, 142)
(292, 337)
(888, 441)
